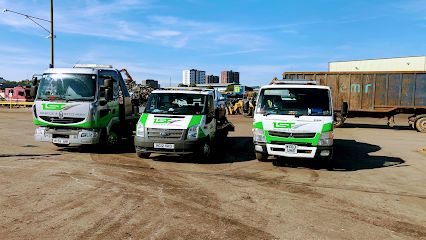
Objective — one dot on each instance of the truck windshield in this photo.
(294, 101)
(176, 103)
(68, 87)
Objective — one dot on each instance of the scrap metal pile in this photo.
(138, 92)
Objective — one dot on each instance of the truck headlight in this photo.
(259, 135)
(140, 130)
(326, 139)
(193, 132)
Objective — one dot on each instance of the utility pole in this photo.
(52, 37)
(36, 20)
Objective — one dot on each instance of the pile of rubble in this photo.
(138, 92)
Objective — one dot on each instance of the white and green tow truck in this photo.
(177, 121)
(86, 104)
(294, 118)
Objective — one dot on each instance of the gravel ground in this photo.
(377, 190)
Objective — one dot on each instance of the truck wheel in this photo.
(206, 151)
(338, 120)
(142, 154)
(328, 162)
(421, 125)
(261, 157)
(112, 139)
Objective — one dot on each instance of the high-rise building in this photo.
(212, 79)
(193, 76)
(229, 77)
(201, 77)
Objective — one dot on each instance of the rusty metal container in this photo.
(369, 92)
(374, 94)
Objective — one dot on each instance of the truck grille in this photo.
(157, 133)
(61, 120)
(293, 135)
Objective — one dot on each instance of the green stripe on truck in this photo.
(195, 120)
(328, 127)
(143, 118)
(258, 125)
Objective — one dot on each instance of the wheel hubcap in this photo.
(206, 150)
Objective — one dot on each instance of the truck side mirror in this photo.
(109, 94)
(35, 81)
(33, 91)
(345, 108)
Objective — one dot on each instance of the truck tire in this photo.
(206, 151)
(142, 154)
(328, 162)
(261, 157)
(338, 120)
(421, 124)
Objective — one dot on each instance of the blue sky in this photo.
(259, 38)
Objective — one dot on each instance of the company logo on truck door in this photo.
(283, 125)
(164, 121)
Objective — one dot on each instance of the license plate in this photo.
(61, 140)
(164, 145)
(291, 148)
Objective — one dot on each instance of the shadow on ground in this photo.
(230, 150)
(125, 147)
(375, 126)
(349, 155)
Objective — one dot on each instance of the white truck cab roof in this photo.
(275, 86)
(201, 92)
(81, 69)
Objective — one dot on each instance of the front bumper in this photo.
(71, 136)
(302, 151)
(180, 146)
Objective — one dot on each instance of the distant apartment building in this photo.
(229, 77)
(193, 76)
(212, 79)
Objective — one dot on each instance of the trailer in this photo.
(374, 94)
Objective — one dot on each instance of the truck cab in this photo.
(179, 122)
(293, 118)
(86, 104)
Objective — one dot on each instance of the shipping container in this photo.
(374, 94)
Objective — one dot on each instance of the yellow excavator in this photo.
(235, 106)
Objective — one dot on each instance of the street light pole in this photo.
(52, 36)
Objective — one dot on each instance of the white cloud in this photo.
(164, 33)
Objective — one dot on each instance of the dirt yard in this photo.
(377, 190)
